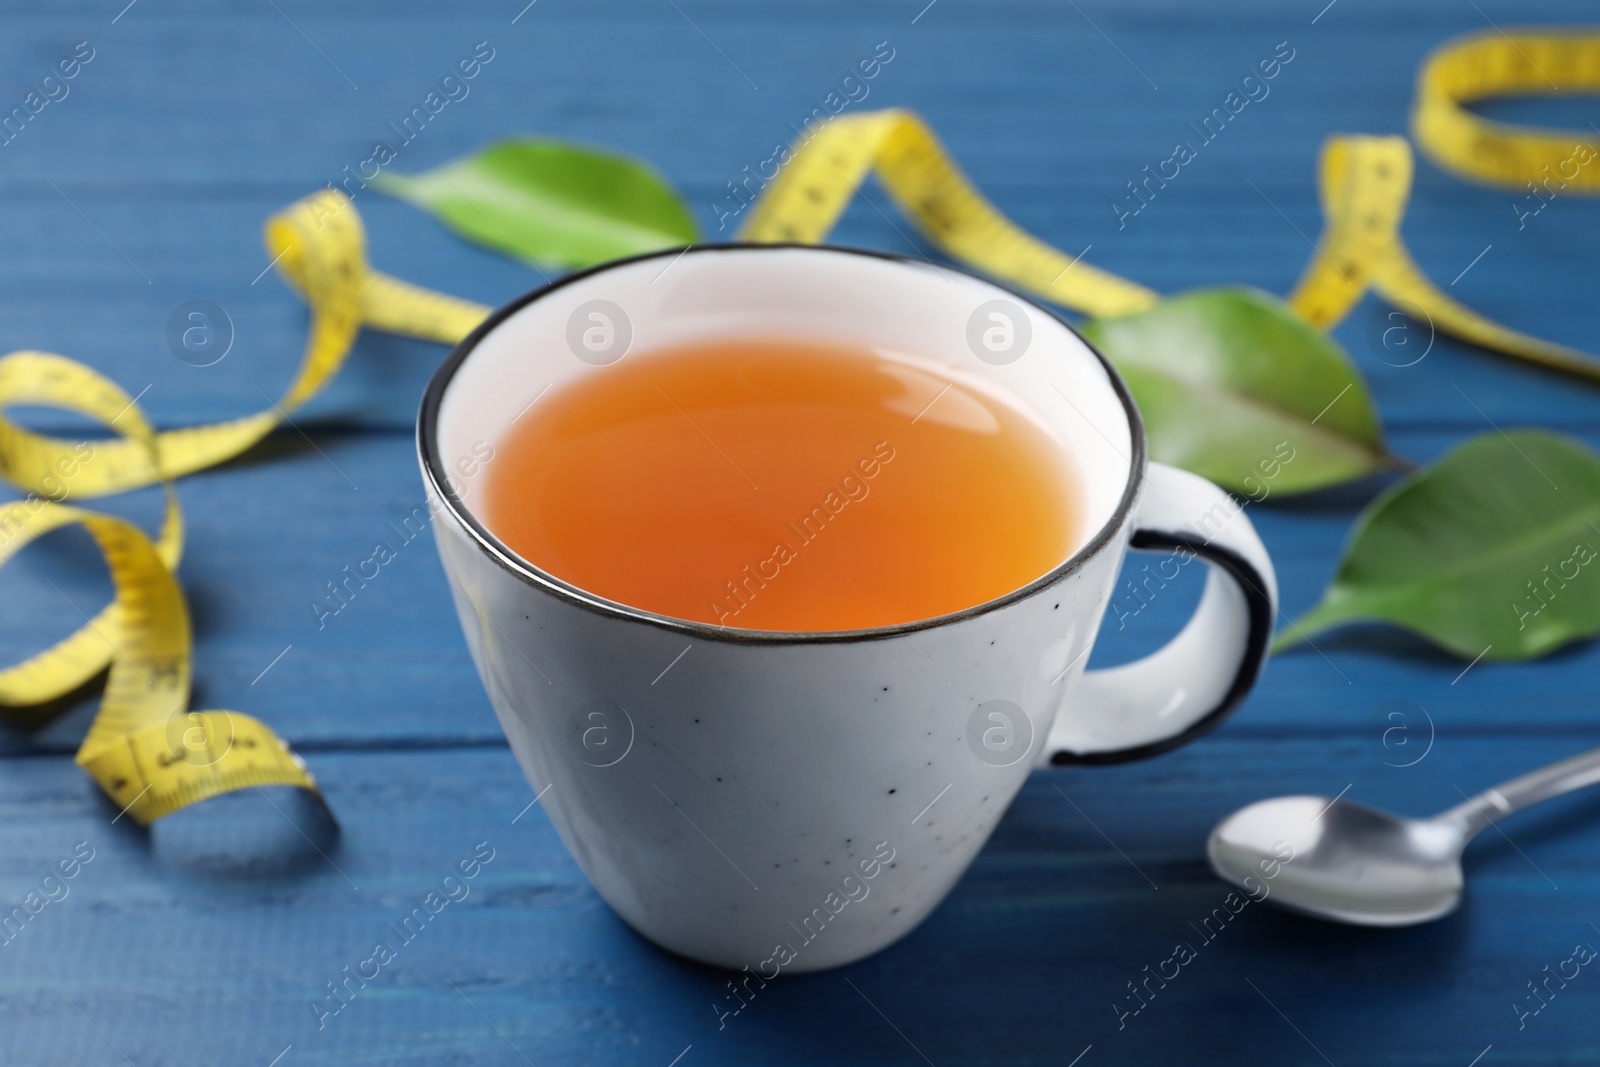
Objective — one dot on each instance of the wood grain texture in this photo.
(208, 939)
(1021, 965)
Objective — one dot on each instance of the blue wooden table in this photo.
(211, 938)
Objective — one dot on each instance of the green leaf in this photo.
(1489, 552)
(1225, 378)
(546, 201)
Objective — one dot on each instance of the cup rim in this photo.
(532, 575)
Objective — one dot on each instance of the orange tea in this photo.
(784, 485)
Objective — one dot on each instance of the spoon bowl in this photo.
(1339, 860)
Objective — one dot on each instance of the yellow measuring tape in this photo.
(1364, 182)
(149, 753)
(1520, 63)
(152, 756)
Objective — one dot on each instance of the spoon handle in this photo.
(1489, 807)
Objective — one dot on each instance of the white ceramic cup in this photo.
(784, 802)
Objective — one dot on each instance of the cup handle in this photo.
(1179, 692)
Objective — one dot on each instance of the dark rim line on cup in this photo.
(428, 451)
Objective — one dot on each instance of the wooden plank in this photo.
(191, 940)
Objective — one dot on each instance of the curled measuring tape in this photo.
(1364, 182)
(1517, 62)
(152, 756)
(148, 752)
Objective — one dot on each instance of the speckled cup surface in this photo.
(789, 802)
